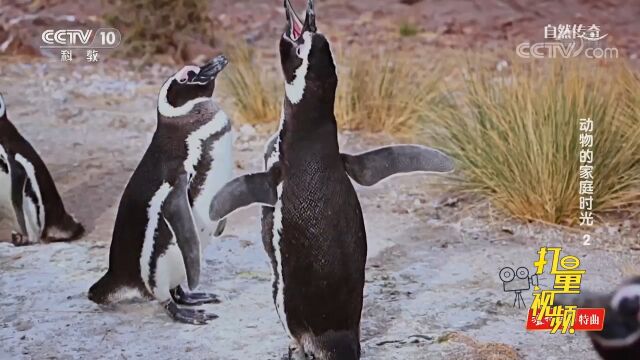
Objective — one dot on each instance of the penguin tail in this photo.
(101, 291)
(68, 230)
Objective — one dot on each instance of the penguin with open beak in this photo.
(312, 222)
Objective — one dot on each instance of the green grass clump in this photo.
(516, 137)
(408, 30)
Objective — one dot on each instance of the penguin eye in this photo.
(299, 52)
(182, 81)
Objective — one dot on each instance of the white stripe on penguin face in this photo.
(168, 110)
(153, 213)
(295, 89)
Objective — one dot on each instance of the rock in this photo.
(23, 325)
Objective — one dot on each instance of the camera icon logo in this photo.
(517, 281)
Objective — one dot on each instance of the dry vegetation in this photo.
(382, 95)
(516, 137)
(153, 27)
(255, 95)
(374, 94)
(514, 134)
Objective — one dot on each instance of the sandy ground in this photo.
(432, 267)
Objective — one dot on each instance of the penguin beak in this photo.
(210, 70)
(310, 20)
(294, 25)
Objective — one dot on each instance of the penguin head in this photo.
(626, 303)
(306, 58)
(622, 318)
(188, 87)
(3, 108)
(621, 330)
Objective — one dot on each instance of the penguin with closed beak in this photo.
(620, 335)
(312, 226)
(28, 195)
(156, 238)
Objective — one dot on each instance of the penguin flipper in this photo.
(371, 167)
(18, 186)
(244, 191)
(177, 212)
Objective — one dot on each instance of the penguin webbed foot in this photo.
(188, 316)
(182, 297)
(18, 239)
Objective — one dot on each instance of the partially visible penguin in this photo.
(28, 195)
(620, 336)
(156, 238)
(312, 226)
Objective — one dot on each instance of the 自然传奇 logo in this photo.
(568, 41)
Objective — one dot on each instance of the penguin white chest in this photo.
(170, 268)
(6, 207)
(212, 167)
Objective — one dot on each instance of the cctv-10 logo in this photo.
(103, 38)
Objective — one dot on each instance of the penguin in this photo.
(312, 222)
(155, 246)
(28, 194)
(620, 335)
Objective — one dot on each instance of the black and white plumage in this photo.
(620, 336)
(156, 238)
(28, 195)
(312, 224)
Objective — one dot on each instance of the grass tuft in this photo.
(408, 30)
(374, 94)
(516, 137)
(379, 95)
(254, 93)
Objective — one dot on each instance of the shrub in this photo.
(516, 137)
(381, 95)
(408, 30)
